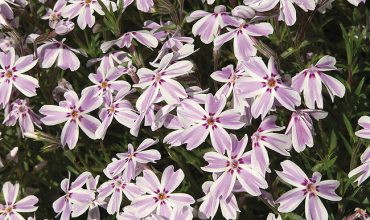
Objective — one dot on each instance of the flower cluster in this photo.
(250, 98)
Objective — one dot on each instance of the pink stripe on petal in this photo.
(290, 200)
(292, 174)
(314, 209)
(220, 139)
(251, 181)
(70, 134)
(171, 179)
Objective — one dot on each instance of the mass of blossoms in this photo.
(184, 109)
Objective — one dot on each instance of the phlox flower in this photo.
(85, 9)
(301, 127)
(144, 37)
(117, 108)
(160, 81)
(309, 189)
(74, 112)
(106, 80)
(265, 136)
(209, 25)
(11, 209)
(287, 10)
(363, 170)
(243, 44)
(75, 195)
(211, 120)
(142, 5)
(20, 111)
(310, 82)
(11, 74)
(53, 51)
(265, 85)
(127, 163)
(92, 206)
(364, 122)
(115, 187)
(54, 15)
(234, 168)
(160, 197)
(231, 77)
(211, 201)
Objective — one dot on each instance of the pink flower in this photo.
(309, 81)
(74, 112)
(142, 5)
(306, 188)
(75, 195)
(301, 127)
(265, 137)
(231, 78)
(160, 81)
(209, 121)
(243, 38)
(266, 86)
(287, 10)
(11, 209)
(21, 111)
(85, 9)
(115, 187)
(117, 108)
(160, 197)
(211, 201)
(11, 73)
(53, 51)
(54, 15)
(363, 170)
(209, 24)
(106, 81)
(234, 168)
(127, 163)
(144, 37)
(364, 122)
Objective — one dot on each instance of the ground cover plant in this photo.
(184, 109)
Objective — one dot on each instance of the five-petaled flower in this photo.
(128, 163)
(306, 188)
(234, 168)
(160, 81)
(74, 112)
(266, 86)
(11, 209)
(160, 197)
(11, 74)
(310, 82)
(209, 121)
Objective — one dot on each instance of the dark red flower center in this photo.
(8, 74)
